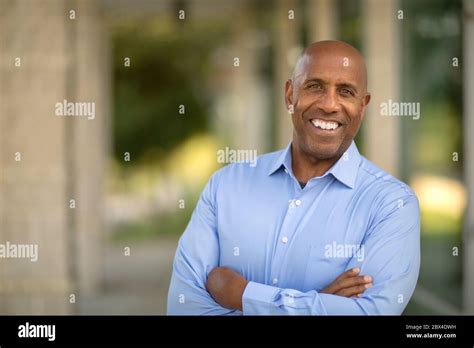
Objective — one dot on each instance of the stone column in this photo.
(322, 20)
(47, 55)
(287, 49)
(251, 101)
(381, 48)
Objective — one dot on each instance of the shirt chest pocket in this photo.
(323, 267)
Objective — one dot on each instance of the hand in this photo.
(226, 287)
(349, 284)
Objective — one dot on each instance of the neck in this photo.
(306, 167)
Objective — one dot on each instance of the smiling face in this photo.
(328, 96)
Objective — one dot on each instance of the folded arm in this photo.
(391, 262)
(392, 259)
(196, 256)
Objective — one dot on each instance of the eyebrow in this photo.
(344, 84)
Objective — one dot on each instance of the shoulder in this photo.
(374, 178)
(389, 193)
(259, 166)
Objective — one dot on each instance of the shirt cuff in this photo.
(257, 298)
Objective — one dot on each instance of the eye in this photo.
(347, 92)
(316, 86)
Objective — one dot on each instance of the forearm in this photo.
(188, 298)
(260, 299)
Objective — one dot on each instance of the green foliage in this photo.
(168, 68)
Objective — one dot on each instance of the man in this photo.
(312, 230)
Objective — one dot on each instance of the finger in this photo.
(354, 290)
(350, 282)
(357, 295)
(349, 273)
(353, 272)
(338, 284)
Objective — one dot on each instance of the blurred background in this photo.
(106, 199)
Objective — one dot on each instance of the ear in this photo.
(365, 101)
(289, 95)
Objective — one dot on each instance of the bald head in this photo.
(327, 97)
(339, 52)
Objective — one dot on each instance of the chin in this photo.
(323, 151)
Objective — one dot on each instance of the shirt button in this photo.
(297, 202)
(275, 281)
(284, 240)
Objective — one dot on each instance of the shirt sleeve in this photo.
(391, 257)
(197, 254)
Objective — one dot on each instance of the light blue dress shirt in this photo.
(291, 242)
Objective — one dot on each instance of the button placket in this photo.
(284, 235)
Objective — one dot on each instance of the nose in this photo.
(329, 103)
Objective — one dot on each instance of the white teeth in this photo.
(325, 125)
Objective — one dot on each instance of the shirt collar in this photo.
(344, 170)
(284, 159)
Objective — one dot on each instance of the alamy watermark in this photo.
(28, 330)
(228, 155)
(20, 251)
(393, 108)
(336, 250)
(80, 109)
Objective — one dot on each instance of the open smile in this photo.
(327, 126)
